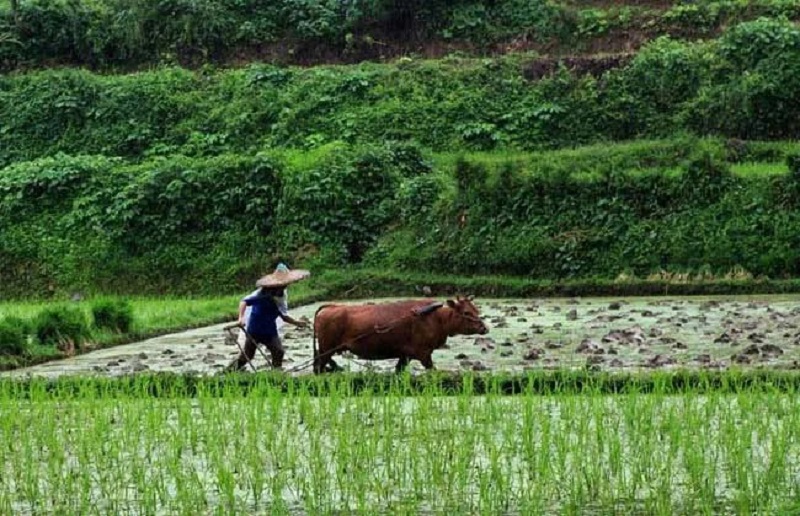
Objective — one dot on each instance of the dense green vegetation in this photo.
(208, 224)
(742, 85)
(121, 33)
(188, 182)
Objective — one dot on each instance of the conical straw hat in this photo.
(282, 276)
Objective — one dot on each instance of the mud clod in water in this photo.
(588, 346)
(533, 354)
(740, 358)
(771, 350)
(660, 361)
(594, 360)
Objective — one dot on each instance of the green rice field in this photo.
(579, 406)
(97, 449)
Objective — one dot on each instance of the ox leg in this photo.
(323, 362)
(326, 364)
(319, 363)
(427, 362)
(401, 364)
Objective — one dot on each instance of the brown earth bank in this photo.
(614, 334)
(389, 47)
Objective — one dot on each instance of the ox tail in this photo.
(314, 336)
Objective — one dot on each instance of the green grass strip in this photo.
(540, 383)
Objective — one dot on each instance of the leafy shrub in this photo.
(61, 325)
(765, 41)
(539, 20)
(594, 22)
(26, 326)
(13, 338)
(114, 315)
(793, 162)
(352, 195)
(667, 73)
(467, 20)
(698, 16)
(786, 189)
(750, 92)
(707, 173)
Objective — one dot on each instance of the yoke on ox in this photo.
(404, 330)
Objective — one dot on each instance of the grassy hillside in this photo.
(680, 158)
(742, 85)
(209, 224)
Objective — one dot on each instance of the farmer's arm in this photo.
(291, 320)
(242, 308)
(250, 300)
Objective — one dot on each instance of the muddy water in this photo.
(603, 333)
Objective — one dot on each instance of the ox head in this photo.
(467, 319)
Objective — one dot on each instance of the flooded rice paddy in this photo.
(617, 334)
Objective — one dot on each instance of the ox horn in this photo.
(470, 297)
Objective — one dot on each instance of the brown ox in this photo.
(404, 330)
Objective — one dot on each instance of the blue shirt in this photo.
(283, 306)
(261, 323)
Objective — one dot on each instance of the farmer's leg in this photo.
(275, 347)
(244, 358)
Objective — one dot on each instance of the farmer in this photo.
(244, 310)
(267, 305)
